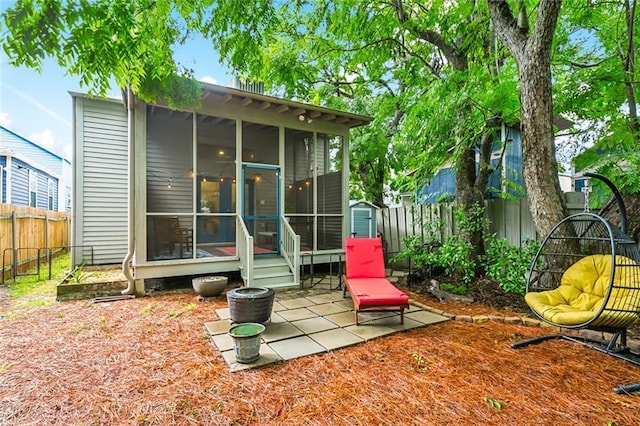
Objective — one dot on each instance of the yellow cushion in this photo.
(582, 289)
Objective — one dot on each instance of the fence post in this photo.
(14, 244)
(46, 230)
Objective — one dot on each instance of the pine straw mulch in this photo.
(148, 361)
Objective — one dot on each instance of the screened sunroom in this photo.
(245, 181)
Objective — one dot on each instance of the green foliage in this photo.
(127, 42)
(417, 252)
(454, 257)
(470, 220)
(393, 61)
(508, 264)
(493, 403)
(78, 274)
(418, 361)
(595, 81)
(455, 289)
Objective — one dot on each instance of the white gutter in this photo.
(126, 270)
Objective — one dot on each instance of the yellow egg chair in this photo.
(586, 275)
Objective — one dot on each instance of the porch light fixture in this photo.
(303, 117)
(258, 178)
(221, 178)
(169, 184)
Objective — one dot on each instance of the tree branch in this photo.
(514, 37)
(591, 65)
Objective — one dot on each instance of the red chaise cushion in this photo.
(375, 292)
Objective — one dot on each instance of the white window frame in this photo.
(50, 194)
(1, 183)
(33, 189)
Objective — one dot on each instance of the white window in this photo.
(33, 189)
(51, 193)
(1, 184)
(67, 198)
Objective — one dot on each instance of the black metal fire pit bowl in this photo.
(250, 304)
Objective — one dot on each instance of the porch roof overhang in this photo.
(215, 94)
(260, 102)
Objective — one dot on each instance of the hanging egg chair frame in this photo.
(586, 275)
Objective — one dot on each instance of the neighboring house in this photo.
(246, 183)
(442, 186)
(31, 175)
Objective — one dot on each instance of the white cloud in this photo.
(5, 120)
(44, 138)
(208, 79)
(39, 105)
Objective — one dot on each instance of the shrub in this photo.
(508, 264)
(454, 257)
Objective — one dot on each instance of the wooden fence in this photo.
(27, 234)
(507, 219)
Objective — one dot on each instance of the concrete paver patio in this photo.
(310, 322)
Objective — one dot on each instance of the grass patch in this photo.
(32, 285)
(31, 292)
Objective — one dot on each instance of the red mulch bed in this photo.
(148, 361)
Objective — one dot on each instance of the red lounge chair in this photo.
(366, 281)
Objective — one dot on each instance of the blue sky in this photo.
(38, 107)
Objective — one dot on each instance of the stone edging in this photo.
(517, 320)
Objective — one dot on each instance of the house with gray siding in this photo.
(247, 182)
(31, 175)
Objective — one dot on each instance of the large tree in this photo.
(430, 74)
(531, 46)
(441, 89)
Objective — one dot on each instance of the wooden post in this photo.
(14, 243)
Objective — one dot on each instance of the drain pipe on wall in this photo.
(126, 270)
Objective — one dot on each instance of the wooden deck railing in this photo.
(290, 248)
(244, 241)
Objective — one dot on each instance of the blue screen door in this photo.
(261, 207)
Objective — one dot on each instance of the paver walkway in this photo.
(310, 322)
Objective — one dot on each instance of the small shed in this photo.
(363, 219)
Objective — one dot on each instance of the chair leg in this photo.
(626, 389)
(534, 340)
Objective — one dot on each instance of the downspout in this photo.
(129, 104)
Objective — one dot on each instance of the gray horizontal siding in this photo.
(104, 179)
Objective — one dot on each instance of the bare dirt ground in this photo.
(148, 361)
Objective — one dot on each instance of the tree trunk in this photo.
(532, 53)
(467, 196)
(539, 165)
